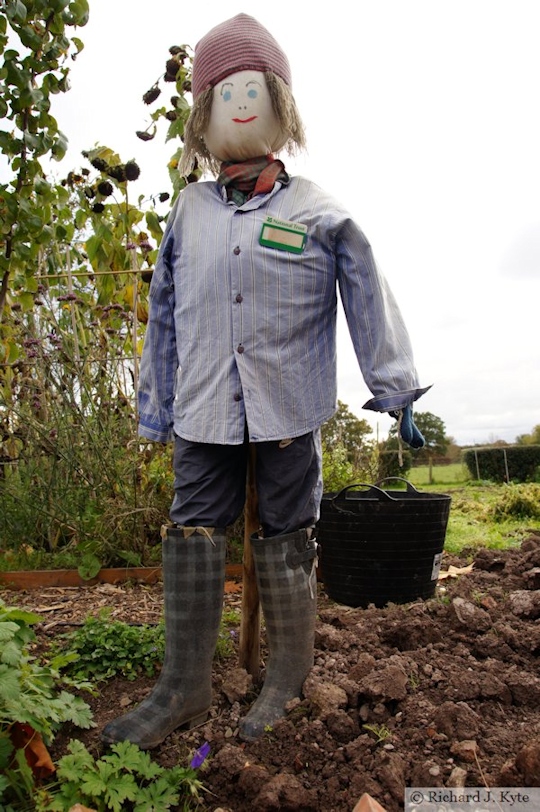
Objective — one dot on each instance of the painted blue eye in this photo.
(252, 93)
(226, 95)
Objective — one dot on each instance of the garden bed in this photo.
(444, 692)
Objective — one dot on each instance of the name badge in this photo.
(283, 235)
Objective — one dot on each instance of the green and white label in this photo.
(284, 235)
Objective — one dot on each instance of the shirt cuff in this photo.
(157, 435)
(395, 401)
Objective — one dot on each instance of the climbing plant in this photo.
(77, 256)
(72, 476)
(36, 45)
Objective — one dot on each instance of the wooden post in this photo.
(250, 626)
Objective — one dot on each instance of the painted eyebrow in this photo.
(253, 82)
(224, 85)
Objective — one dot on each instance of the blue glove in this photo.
(407, 429)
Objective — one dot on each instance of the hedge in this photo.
(504, 463)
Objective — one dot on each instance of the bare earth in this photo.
(444, 692)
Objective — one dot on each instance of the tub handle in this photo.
(343, 494)
(410, 486)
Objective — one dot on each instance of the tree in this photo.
(347, 430)
(530, 439)
(434, 432)
(349, 454)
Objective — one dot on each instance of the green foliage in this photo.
(228, 634)
(76, 257)
(394, 463)
(349, 454)
(35, 47)
(29, 691)
(472, 522)
(31, 694)
(103, 648)
(178, 70)
(337, 470)
(530, 439)
(348, 431)
(73, 473)
(125, 778)
(74, 477)
(504, 463)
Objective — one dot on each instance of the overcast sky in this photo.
(422, 118)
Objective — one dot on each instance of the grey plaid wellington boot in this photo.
(286, 576)
(193, 583)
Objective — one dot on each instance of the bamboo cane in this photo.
(250, 626)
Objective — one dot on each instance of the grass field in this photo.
(441, 474)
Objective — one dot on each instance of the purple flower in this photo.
(199, 756)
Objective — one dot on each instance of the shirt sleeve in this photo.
(380, 338)
(159, 360)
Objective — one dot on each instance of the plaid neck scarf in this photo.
(253, 177)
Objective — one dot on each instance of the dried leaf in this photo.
(454, 572)
(24, 736)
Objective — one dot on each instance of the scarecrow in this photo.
(240, 349)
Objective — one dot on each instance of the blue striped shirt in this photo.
(241, 333)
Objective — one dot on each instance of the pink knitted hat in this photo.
(240, 43)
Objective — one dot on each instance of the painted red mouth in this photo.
(244, 120)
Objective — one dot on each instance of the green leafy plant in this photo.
(75, 260)
(126, 778)
(36, 48)
(337, 470)
(74, 476)
(101, 649)
(31, 694)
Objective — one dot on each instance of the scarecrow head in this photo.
(243, 106)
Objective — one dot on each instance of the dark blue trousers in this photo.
(210, 483)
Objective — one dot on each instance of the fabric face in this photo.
(243, 124)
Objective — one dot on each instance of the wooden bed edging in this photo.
(36, 579)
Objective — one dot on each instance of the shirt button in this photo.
(240, 348)
(237, 397)
(236, 250)
(239, 298)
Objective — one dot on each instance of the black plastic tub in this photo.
(380, 546)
